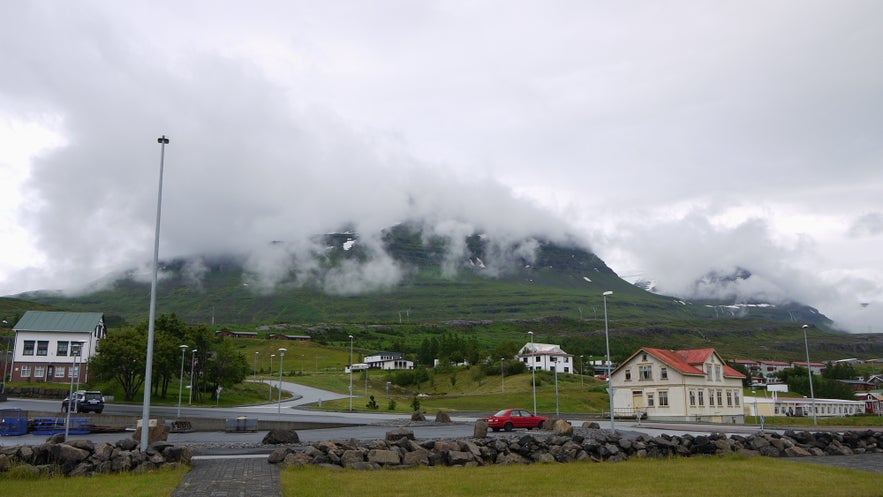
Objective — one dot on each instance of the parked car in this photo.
(85, 401)
(508, 419)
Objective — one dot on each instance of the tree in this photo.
(121, 357)
(226, 368)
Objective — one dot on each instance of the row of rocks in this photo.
(564, 444)
(82, 457)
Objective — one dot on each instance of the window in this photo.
(73, 371)
(39, 371)
(711, 397)
(537, 359)
(628, 375)
(663, 398)
(729, 398)
(43, 347)
(717, 373)
(28, 348)
(61, 349)
(720, 398)
(25, 371)
(701, 398)
(708, 371)
(646, 372)
(692, 397)
(663, 373)
(59, 371)
(736, 398)
(76, 348)
(650, 402)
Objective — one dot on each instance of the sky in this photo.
(673, 139)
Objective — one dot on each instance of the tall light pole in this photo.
(148, 368)
(270, 395)
(582, 370)
(812, 395)
(281, 358)
(502, 378)
(192, 362)
(181, 377)
(555, 365)
(607, 341)
(533, 374)
(351, 373)
(254, 375)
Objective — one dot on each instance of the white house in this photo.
(52, 346)
(388, 361)
(682, 385)
(546, 357)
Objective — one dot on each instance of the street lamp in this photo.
(148, 368)
(270, 395)
(192, 362)
(281, 359)
(607, 341)
(555, 367)
(502, 378)
(812, 394)
(582, 370)
(181, 378)
(254, 375)
(351, 373)
(533, 375)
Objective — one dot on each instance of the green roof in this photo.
(59, 321)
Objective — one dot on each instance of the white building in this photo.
(546, 357)
(388, 361)
(682, 385)
(55, 346)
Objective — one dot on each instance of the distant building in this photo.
(280, 336)
(56, 347)
(236, 334)
(388, 361)
(546, 357)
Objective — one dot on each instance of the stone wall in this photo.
(583, 445)
(82, 457)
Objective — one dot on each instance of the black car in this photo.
(85, 401)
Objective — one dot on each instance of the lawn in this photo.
(153, 484)
(731, 477)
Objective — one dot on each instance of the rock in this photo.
(65, 454)
(480, 429)
(418, 416)
(277, 437)
(278, 456)
(384, 457)
(418, 457)
(127, 444)
(797, 452)
(350, 457)
(399, 433)
(442, 417)
(297, 459)
(562, 428)
(591, 425)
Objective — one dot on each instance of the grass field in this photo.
(707, 477)
(702, 476)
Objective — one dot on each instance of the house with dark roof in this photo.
(678, 385)
(546, 357)
(56, 347)
(388, 361)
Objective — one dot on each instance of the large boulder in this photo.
(277, 437)
(399, 433)
(480, 429)
(562, 428)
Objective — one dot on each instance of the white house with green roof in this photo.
(52, 346)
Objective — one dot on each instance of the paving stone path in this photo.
(233, 476)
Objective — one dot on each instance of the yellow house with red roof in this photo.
(678, 385)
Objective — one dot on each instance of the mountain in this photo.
(406, 275)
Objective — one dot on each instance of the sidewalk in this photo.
(230, 476)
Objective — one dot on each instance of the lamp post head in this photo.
(351, 337)
(805, 326)
(607, 293)
(282, 351)
(163, 140)
(183, 347)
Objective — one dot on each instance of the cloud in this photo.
(678, 140)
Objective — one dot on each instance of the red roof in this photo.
(690, 361)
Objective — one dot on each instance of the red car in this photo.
(507, 419)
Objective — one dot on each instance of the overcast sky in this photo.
(672, 138)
